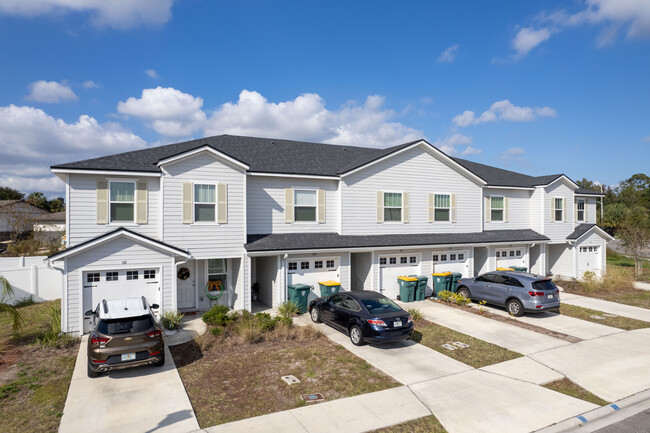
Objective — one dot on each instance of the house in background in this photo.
(240, 210)
(17, 218)
(50, 227)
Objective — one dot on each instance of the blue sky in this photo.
(539, 87)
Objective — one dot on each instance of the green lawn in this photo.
(617, 322)
(427, 424)
(565, 386)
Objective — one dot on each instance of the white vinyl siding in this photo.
(82, 204)
(415, 171)
(560, 260)
(517, 209)
(557, 231)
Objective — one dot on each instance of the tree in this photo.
(38, 199)
(7, 193)
(613, 217)
(635, 191)
(19, 218)
(6, 307)
(588, 184)
(635, 234)
(57, 205)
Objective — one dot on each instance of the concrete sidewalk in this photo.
(502, 334)
(607, 306)
(140, 399)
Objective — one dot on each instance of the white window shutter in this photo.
(488, 210)
(102, 202)
(141, 202)
(432, 214)
(187, 202)
(405, 207)
(288, 205)
(586, 207)
(552, 208)
(506, 209)
(380, 206)
(321, 206)
(222, 203)
(452, 211)
(564, 209)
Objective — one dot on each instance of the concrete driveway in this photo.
(141, 399)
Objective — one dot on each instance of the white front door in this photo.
(186, 289)
(589, 260)
(393, 266)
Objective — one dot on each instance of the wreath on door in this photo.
(183, 273)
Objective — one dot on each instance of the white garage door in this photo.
(311, 271)
(393, 266)
(117, 284)
(510, 257)
(589, 260)
(451, 261)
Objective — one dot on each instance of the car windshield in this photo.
(126, 325)
(544, 285)
(380, 305)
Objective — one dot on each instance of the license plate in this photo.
(397, 323)
(550, 296)
(128, 356)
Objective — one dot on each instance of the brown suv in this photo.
(124, 334)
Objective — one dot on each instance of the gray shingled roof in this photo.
(499, 177)
(585, 191)
(314, 241)
(580, 231)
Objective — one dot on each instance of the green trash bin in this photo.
(421, 288)
(299, 293)
(455, 278)
(441, 282)
(328, 288)
(519, 268)
(407, 287)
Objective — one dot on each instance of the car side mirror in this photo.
(154, 306)
(89, 313)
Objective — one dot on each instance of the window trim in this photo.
(584, 209)
(324, 259)
(134, 202)
(408, 255)
(227, 273)
(435, 220)
(555, 209)
(310, 189)
(401, 208)
(502, 209)
(194, 203)
(448, 253)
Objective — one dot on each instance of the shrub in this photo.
(26, 247)
(266, 322)
(171, 319)
(617, 278)
(219, 315)
(288, 309)
(453, 298)
(216, 331)
(415, 314)
(54, 338)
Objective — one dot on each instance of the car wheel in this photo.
(315, 314)
(161, 362)
(356, 336)
(464, 292)
(515, 308)
(91, 372)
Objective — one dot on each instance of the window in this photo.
(122, 201)
(293, 266)
(452, 257)
(496, 208)
(435, 257)
(111, 276)
(498, 254)
(442, 207)
(330, 264)
(305, 205)
(518, 253)
(392, 206)
(487, 278)
(558, 212)
(461, 256)
(205, 201)
(413, 259)
(512, 253)
(149, 274)
(403, 260)
(304, 265)
(131, 275)
(218, 272)
(318, 264)
(350, 304)
(580, 209)
(92, 277)
(443, 257)
(392, 260)
(382, 261)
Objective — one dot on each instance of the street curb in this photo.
(588, 419)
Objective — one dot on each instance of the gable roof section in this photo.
(585, 191)
(506, 178)
(119, 232)
(583, 229)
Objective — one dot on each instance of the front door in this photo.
(186, 287)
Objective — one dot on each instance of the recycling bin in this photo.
(441, 282)
(455, 278)
(421, 288)
(407, 286)
(299, 293)
(328, 288)
(519, 268)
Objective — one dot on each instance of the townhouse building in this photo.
(253, 215)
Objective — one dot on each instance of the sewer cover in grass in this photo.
(460, 344)
(594, 316)
(449, 346)
(310, 398)
(290, 379)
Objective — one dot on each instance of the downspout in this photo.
(286, 277)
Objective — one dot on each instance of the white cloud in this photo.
(50, 91)
(168, 111)
(527, 38)
(90, 84)
(448, 55)
(513, 155)
(31, 141)
(118, 14)
(152, 73)
(646, 139)
(450, 144)
(503, 110)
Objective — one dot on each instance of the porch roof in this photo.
(317, 241)
(583, 229)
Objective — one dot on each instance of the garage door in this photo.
(589, 260)
(393, 266)
(451, 261)
(117, 284)
(311, 271)
(510, 257)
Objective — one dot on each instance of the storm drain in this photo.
(310, 398)
(290, 379)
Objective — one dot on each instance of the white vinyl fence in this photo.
(31, 276)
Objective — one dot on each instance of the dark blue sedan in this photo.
(366, 316)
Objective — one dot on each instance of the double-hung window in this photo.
(497, 207)
(558, 209)
(218, 272)
(205, 200)
(580, 209)
(392, 206)
(122, 201)
(442, 207)
(305, 205)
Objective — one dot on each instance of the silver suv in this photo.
(519, 292)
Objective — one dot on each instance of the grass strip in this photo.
(565, 386)
(479, 353)
(427, 424)
(616, 322)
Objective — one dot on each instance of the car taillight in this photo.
(99, 362)
(557, 291)
(536, 293)
(154, 353)
(154, 333)
(96, 340)
(410, 319)
(377, 322)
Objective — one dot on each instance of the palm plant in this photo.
(5, 308)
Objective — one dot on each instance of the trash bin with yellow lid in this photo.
(453, 283)
(519, 268)
(505, 269)
(407, 286)
(441, 282)
(328, 288)
(421, 288)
